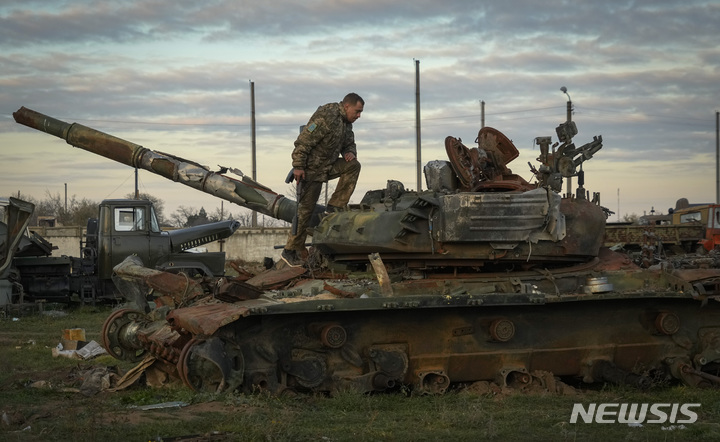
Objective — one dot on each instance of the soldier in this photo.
(324, 150)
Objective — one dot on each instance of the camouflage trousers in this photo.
(348, 172)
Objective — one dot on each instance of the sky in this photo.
(175, 76)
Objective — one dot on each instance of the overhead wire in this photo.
(582, 110)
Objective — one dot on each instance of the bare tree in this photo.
(190, 216)
(157, 203)
(182, 215)
(71, 212)
(630, 218)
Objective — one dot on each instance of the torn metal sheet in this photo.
(276, 277)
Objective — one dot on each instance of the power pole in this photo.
(137, 191)
(417, 124)
(252, 123)
(563, 89)
(222, 214)
(482, 114)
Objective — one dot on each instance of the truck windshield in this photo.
(690, 217)
(154, 224)
(129, 219)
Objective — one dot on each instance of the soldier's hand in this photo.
(299, 174)
(349, 156)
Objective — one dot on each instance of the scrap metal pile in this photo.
(483, 277)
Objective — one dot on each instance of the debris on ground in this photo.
(74, 346)
(160, 406)
(88, 351)
(536, 382)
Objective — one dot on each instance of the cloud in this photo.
(175, 76)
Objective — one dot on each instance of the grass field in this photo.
(40, 401)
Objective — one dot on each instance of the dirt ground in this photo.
(71, 392)
(78, 393)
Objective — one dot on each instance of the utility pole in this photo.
(252, 123)
(482, 114)
(222, 214)
(717, 157)
(137, 191)
(417, 124)
(563, 89)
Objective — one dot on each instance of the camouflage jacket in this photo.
(325, 137)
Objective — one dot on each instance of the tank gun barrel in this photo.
(245, 192)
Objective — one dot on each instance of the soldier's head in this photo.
(353, 105)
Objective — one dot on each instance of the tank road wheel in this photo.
(211, 365)
(502, 330)
(667, 323)
(333, 336)
(432, 382)
(181, 365)
(118, 335)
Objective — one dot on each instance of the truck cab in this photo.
(123, 228)
(706, 215)
(130, 227)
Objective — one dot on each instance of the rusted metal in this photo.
(634, 235)
(501, 330)
(243, 274)
(180, 287)
(706, 376)
(667, 323)
(207, 317)
(485, 167)
(229, 290)
(381, 274)
(338, 292)
(277, 277)
(447, 334)
(119, 334)
(333, 336)
(211, 364)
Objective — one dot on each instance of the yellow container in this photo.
(74, 334)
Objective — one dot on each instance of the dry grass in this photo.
(51, 410)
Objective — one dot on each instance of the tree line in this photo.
(77, 211)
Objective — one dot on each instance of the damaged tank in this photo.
(483, 277)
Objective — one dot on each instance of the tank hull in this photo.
(429, 335)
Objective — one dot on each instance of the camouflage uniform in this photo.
(319, 151)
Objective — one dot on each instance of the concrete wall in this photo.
(247, 244)
(252, 245)
(66, 239)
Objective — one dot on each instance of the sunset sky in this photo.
(175, 76)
